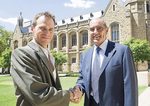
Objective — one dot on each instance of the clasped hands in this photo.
(75, 94)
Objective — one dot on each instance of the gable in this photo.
(115, 5)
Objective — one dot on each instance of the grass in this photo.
(68, 82)
(7, 97)
(141, 89)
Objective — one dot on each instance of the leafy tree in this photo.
(140, 49)
(5, 50)
(60, 58)
(4, 39)
(5, 58)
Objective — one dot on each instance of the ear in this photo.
(107, 30)
(32, 28)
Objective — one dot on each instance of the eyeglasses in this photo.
(98, 28)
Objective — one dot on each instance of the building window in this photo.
(85, 38)
(71, 19)
(24, 43)
(114, 7)
(30, 39)
(73, 60)
(63, 40)
(81, 17)
(15, 44)
(74, 40)
(91, 15)
(148, 7)
(54, 41)
(63, 21)
(115, 32)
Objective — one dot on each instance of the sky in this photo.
(62, 9)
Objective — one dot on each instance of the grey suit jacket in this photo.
(117, 77)
(33, 79)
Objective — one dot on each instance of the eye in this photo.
(98, 28)
(51, 29)
(92, 29)
(42, 28)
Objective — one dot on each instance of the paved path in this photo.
(144, 98)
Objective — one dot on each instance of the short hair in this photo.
(101, 21)
(46, 14)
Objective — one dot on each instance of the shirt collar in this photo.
(44, 49)
(103, 46)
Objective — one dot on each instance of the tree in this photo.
(5, 51)
(5, 59)
(140, 49)
(60, 58)
(4, 39)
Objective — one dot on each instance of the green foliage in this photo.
(4, 39)
(140, 49)
(60, 57)
(4, 48)
(5, 58)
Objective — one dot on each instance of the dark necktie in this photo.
(95, 76)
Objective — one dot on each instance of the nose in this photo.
(95, 30)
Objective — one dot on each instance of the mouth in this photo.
(96, 37)
(46, 38)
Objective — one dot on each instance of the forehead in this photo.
(97, 22)
(44, 19)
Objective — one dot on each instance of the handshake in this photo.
(75, 94)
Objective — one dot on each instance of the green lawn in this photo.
(7, 97)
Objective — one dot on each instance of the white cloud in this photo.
(80, 3)
(11, 20)
(123, 0)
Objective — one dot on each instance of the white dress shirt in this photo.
(103, 47)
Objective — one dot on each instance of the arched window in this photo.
(15, 44)
(74, 40)
(84, 38)
(115, 32)
(148, 6)
(73, 60)
(24, 43)
(30, 39)
(54, 41)
(63, 40)
(114, 7)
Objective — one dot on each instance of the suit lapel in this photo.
(88, 69)
(42, 57)
(89, 61)
(110, 51)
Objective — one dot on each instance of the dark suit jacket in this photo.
(33, 79)
(117, 78)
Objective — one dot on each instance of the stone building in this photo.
(125, 19)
